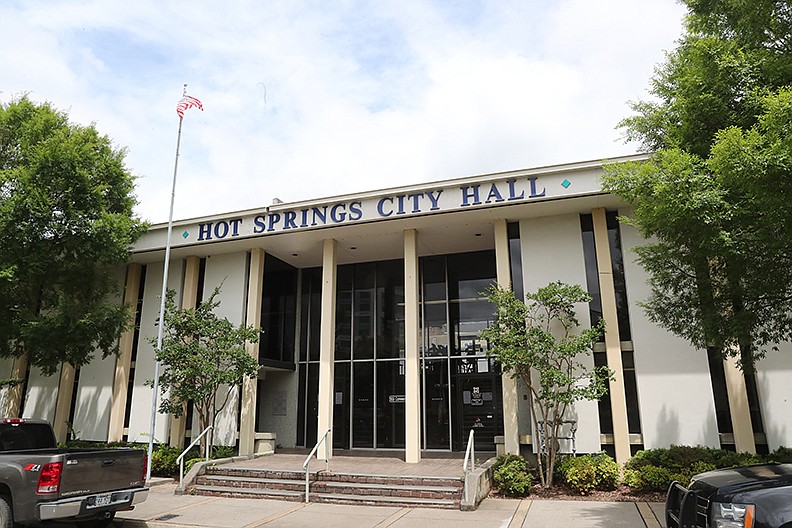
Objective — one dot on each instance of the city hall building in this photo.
(371, 306)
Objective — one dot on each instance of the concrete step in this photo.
(341, 488)
(381, 500)
(249, 482)
(393, 490)
(247, 493)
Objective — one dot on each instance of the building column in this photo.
(63, 403)
(247, 418)
(16, 392)
(412, 359)
(511, 434)
(192, 269)
(621, 431)
(739, 409)
(327, 344)
(115, 431)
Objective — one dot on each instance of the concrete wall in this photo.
(5, 372)
(279, 392)
(775, 395)
(42, 395)
(230, 273)
(95, 389)
(674, 388)
(552, 250)
(140, 417)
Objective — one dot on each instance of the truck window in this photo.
(14, 437)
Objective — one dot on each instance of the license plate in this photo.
(101, 500)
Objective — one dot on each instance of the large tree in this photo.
(66, 225)
(714, 198)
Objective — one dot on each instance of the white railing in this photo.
(312, 453)
(180, 460)
(470, 456)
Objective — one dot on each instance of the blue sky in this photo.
(310, 99)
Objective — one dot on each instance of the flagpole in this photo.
(161, 325)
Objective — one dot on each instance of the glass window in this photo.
(470, 274)
(435, 401)
(434, 279)
(344, 295)
(515, 260)
(363, 404)
(278, 312)
(341, 405)
(390, 404)
(363, 315)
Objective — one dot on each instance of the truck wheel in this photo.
(6, 517)
(96, 523)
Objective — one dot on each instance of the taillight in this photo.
(145, 467)
(49, 478)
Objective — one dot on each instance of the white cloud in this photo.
(308, 99)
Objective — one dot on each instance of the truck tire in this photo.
(95, 523)
(6, 517)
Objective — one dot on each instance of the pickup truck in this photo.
(757, 496)
(40, 482)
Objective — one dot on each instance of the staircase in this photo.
(340, 488)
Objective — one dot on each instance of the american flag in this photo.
(186, 102)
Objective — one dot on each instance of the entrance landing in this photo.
(366, 463)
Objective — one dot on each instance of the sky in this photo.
(312, 99)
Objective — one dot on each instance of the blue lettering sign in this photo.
(534, 194)
(513, 192)
(259, 224)
(494, 194)
(381, 204)
(355, 212)
(469, 193)
(205, 231)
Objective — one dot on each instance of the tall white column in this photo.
(327, 343)
(412, 340)
(621, 432)
(247, 418)
(738, 406)
(192, 270)
(509, 384)
(115, 431)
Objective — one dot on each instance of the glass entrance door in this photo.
(477, 405)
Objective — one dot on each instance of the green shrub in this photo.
(782, 455)
(650, 478)
(512, 475)
(163, 461)
(589, 472)
(222, 451)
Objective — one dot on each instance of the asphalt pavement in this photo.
(163, 509)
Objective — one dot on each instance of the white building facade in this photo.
(371, 305)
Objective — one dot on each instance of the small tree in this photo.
(540, 344)
(202, 356)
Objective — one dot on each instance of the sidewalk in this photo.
(163, 509)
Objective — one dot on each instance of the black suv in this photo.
(758, 496)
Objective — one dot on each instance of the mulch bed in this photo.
(620, 494)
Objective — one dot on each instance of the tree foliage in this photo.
(66, 225)
(542, 344)
(203, 359)
(714, 198)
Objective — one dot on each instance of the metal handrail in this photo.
(180, 458)
(312, 453)
(470, 454)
